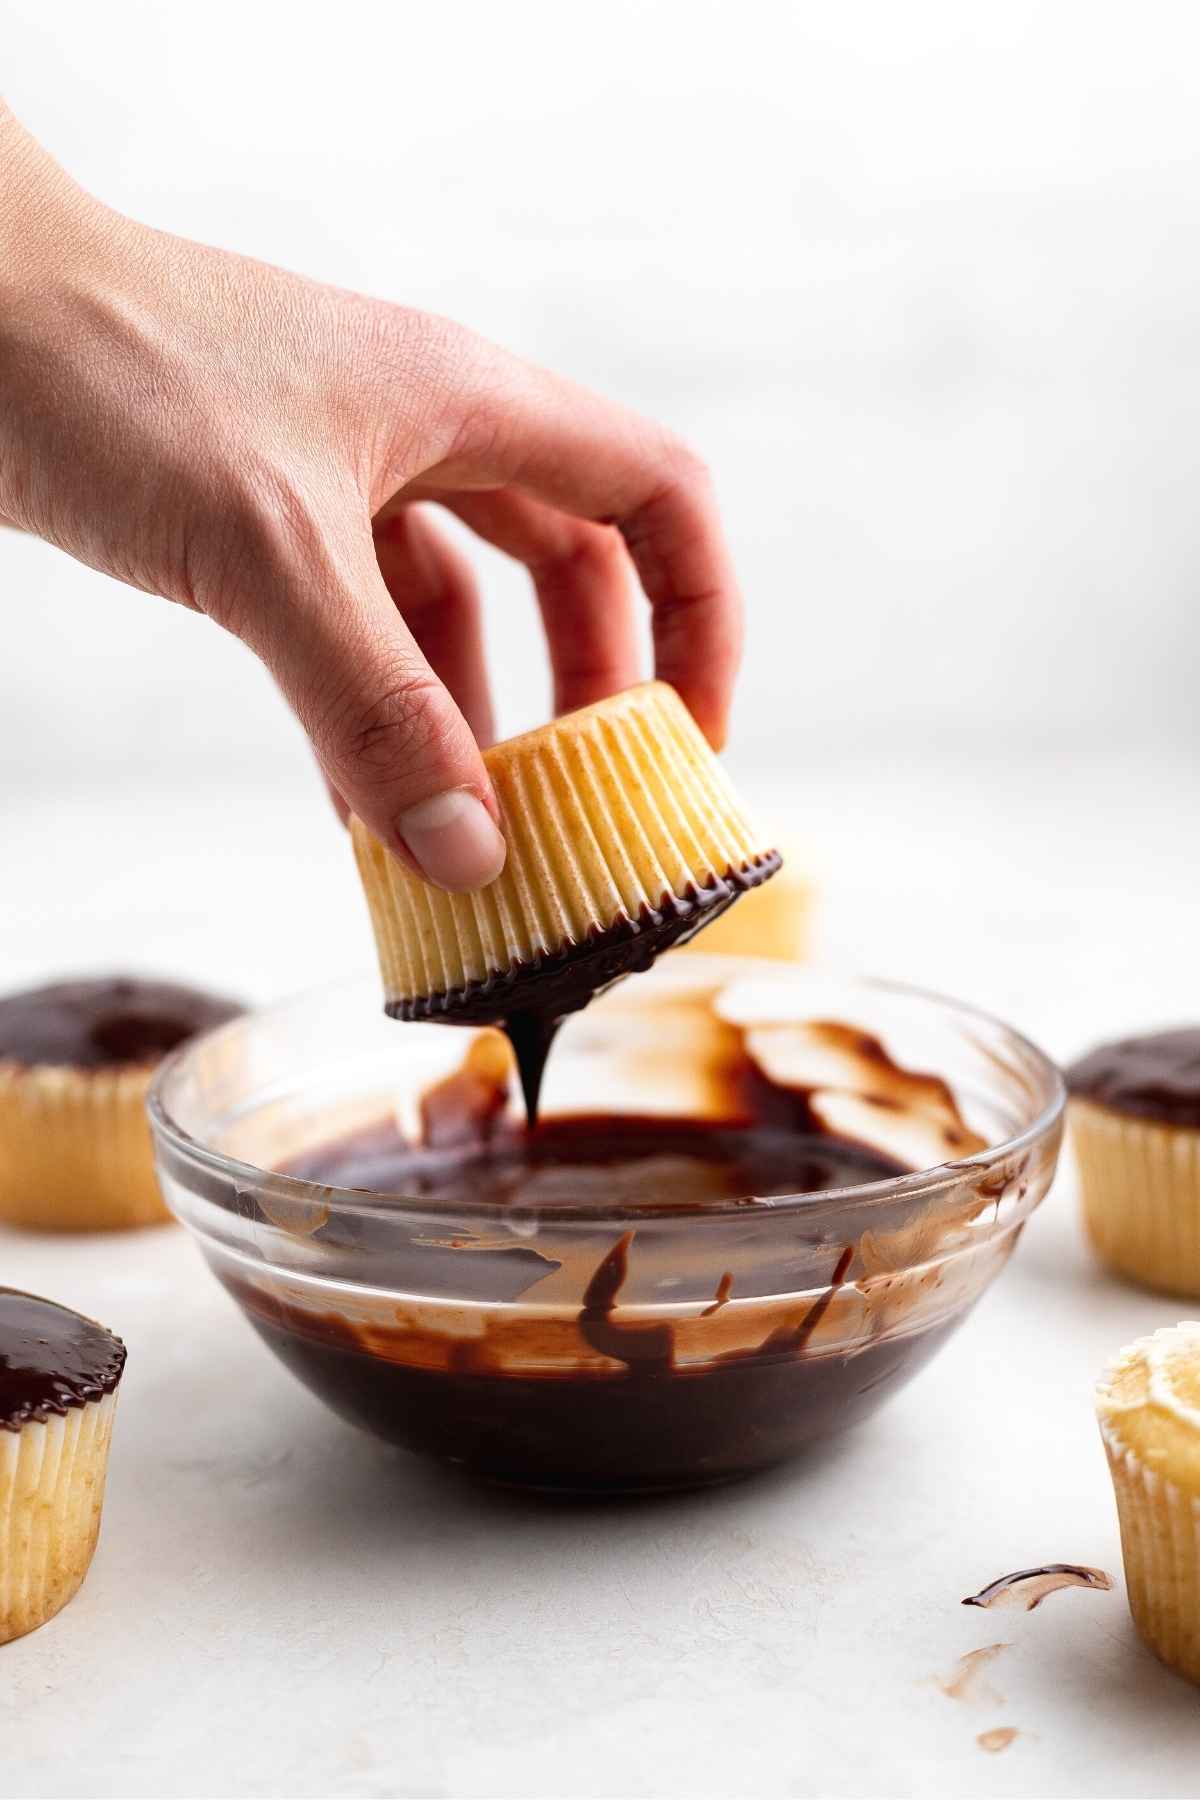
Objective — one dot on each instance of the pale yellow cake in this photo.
(1148, 1405)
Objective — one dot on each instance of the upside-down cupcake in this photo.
(76, 1060)
(1149, 1409)
(1135, 1124)
(58, 1385)
(624, 838)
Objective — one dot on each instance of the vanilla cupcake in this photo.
(1135, 1125)
(76, 1060)
(624, 837)
(1149, 1409)
(58, 1385)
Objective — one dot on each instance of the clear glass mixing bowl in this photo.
(732, 1333)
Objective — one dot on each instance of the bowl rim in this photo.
(887, 1191)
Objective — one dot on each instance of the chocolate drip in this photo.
(105, 1022)
(51, 1360)
(529, 1000)
(531, 1035)
(644, 1349)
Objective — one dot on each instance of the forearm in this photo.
(45, 217)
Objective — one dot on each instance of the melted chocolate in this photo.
(529, 1000)
(614, 1161)
(640, 1426)
(105, 1022)
(564, 1381)
(51, 1359)
(1152, 1077)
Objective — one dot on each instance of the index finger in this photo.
(588, 456)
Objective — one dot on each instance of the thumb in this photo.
(387, 734)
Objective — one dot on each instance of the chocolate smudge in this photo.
(1029, 1587)
(997, 1739)
(968, 1681)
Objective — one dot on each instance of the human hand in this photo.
(251, 444)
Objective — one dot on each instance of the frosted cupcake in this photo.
(1149, 1409)
(76, 1060)
(1135, 1124)
(58, 1384)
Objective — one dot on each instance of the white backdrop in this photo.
(922, 282)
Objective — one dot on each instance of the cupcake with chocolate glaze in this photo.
(1135, 1125)
(76, 1060)
(1148, 1405)
(58, 1387)
(624, 837)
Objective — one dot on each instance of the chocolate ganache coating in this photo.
(1152, 1077)
(51, 1359)
(104, 1022)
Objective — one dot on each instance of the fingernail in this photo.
(454, 839)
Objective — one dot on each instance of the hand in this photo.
(251, 445)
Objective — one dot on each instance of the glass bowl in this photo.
(566, 1341)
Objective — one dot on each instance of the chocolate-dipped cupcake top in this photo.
(1155, 1076)
(51, 1360)
(104, 1022)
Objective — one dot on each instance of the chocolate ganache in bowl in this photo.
(756, 1201)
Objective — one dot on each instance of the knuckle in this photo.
(686, 468)
(592, 551)
(395, 734)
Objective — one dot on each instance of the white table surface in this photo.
(280, 1606)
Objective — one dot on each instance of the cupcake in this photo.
(76, 1060)
(1135, 1124)
(624, 837)
(1149, 1409)
(58, 1388)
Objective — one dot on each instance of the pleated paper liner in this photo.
(1140, 1187)
(619, 819)
(1151, 1430)
(75, 1150)
(52, 1479)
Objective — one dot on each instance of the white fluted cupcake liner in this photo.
(609, 813)
(52, 1479)
(75, 1152)
(1140, 1187)
(1160, 1545)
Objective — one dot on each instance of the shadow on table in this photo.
(344, 1483)
(1120, 1685)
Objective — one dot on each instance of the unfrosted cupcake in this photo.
(1135, 1124)
(1149, 1409)
(76, 1060)
(58, 1385)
